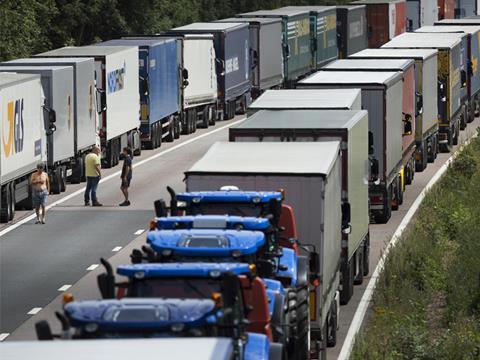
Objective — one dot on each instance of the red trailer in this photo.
(446, 9)
(385, 20)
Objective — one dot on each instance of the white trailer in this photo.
(116, 71)
(85, 114)
(331, 99)
(310, 173)
(22, 137)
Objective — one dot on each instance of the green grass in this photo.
(427, 301)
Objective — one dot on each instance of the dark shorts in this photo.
(39, 198)
(126, 183)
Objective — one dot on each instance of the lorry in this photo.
(382, 97)
(385, 20)
(451, 80)
(426, 128)
(323, 32)
(296, 40)
(232, 51)
(421, 13)
(57, 85)
(446, 9)
(116, 74)
(465, 8)
(266, 52)
(85, 112)
(351, 129)
(310, 175)
(411, 104)
(352, 33)
(307, 99)
(159, 83)
(23, 139)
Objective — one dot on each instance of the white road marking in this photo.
(92, 267)
(139, 232)
(64, 287)
(34, 311)
(367, 295)
(116, 174)
(3, 336)
(117, 248)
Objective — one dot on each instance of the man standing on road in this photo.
(93, 174)
(40, 190)
(126, 174)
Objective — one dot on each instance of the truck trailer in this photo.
(23, 139)
(385, 20)
(426, 127)
(266, 52)
(307, 99)
(58, 89)
(421, 13)
(85, 112)
(297, 49)
(446, 9)
(465, 8)
(310, 174)
(232, 50)
(382, 97)
(351, 129)
(352, 33)
(410, 104)
(451, 79)
(116, 74)
(159, 83)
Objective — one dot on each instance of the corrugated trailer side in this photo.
(351, 30)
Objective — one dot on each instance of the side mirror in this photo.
(106, 281)
(160, 208)
(407, 125)
(173, 201)
(276, 210)
(314, 263)
(145, 86)
(254, 58)
(374, 169)
(370, 143)
(43, 330)
(52, 116)
(419, 102)
(287, 51)
(346, 214)
(463, 78)
(51, 129)
(231, 289)
(101, 98)
(185, 74)
(410, 24)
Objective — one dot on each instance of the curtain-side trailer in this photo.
(382, 97)
(85, 114)
(351, 129)
(352, 33)
(421, 13)
(450, 106)
(116, 71)
(446, 9)
(22, 139)
(426, 129)
(310, 174)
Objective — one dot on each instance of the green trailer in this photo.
(297, 56)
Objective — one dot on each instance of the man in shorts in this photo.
(40, 190)
(126, 174)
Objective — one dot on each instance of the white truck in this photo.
(85, 114)
(22, 137)
(116, 71)
(311, 175)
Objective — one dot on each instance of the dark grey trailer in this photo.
(266, 52)
(57, 85)
(85, 114)
(382, 97)
(351, 129)
(352, 33)
(465, 8)
(421, 13)
(232, 48)
(426, 129)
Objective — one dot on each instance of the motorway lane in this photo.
(36, 260)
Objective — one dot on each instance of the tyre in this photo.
(400, 193)
(395, 191)
(171, 130)
(63, 177)
(348, 275)
(184, 122)
(387, 210)
(456, 136)
(149, 145)
(213, 116)
(178, 127)
(332, 326)
(278, 319)
(6, 207)
(55, 178)
(205, 117)
(194, 120)
(366, 256)
(359, 257)
(77, 172)
(159, 135)
(302, 336)
(12, 200)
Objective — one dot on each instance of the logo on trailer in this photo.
(116, 79)
(13, 128)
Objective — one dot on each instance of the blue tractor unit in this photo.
(160, 318)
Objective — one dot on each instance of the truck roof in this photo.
(370, 64)
(254, 197)
(137, 42)
(303, 119)
(213, 222)
(307, 99)
(425, 40)
(196, 269)
(124, 349)
(90, 50)
(369, 2)
(250, 20)
(211, 26)
(350, 7)
(473, 29)
(397, 53)
(464, 21)
(8, 79)
(276, 12)
(269, 158)
(34, 69)
(353, 78)
(311, 8)
(48, 60)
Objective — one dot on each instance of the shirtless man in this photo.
(40, 190)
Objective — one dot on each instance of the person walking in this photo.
(40, 184)
(93, 174)
(126, 174)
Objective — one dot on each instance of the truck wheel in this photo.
(400, 193)
(456, 136)
(348, 275)
(366, 255)
(63, 179)
(194, 120)
(212, 116)
(387, 209)
(322, 354)
(77, 171)
(55, 183)
(359, 257)
(159, 135)
(278, 319)
(178, 127)
(5, 208)
(12, 200)
(205, 119)
(302, 343)
(332, 326)
(171, 129)
(184, 122)
(149, 145)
